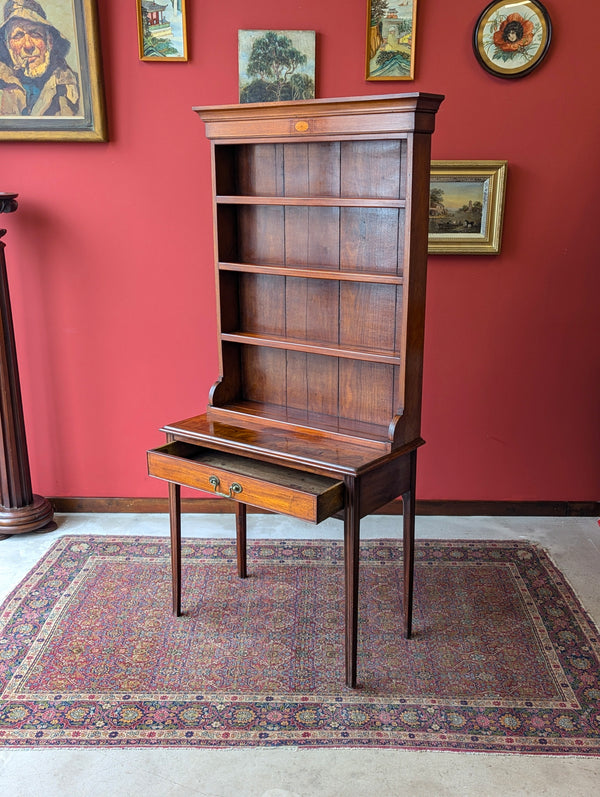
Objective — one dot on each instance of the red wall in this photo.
(110, 257)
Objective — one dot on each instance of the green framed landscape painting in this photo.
(276, 65)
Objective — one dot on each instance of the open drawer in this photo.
(274, 487)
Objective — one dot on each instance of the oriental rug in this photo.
(503, 658)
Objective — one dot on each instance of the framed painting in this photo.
(511, 39)
(391, 26)
(276, 65)
(466, 207)
(50, 71)
(162, 32)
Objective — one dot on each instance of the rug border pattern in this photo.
(302, 720)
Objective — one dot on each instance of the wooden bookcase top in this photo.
(391, 113)
(320, 217)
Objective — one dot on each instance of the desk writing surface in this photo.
(307, 448)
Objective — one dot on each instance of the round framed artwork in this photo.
(511, 38)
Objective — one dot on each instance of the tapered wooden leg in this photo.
(240, 529)
(351, 564)
(175, 522)
(408, 513)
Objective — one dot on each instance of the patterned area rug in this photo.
(504, 658)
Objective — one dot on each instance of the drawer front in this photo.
(266, 486)
(301, 126)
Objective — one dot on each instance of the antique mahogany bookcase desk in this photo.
(321, 227)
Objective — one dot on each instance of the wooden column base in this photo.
(20, 509)
(36, 516)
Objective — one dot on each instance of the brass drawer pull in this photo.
(235, 488)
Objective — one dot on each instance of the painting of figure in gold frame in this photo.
(50, 72)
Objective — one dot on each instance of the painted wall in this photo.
(110, 257)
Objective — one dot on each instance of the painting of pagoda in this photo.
(390, 39)
(161, 30)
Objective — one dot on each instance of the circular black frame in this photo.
(484, 62)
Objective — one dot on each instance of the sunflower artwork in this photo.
(510, 39)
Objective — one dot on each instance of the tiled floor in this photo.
(573, 544)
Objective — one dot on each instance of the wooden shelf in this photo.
(366, 355)
(333, 428)
(314, 272)
(322, 201)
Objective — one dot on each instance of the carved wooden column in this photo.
(20, 509)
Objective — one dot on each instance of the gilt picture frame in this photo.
(390, 48)
(511, 39)
(162, 30)
(63, 64)
(466, 207)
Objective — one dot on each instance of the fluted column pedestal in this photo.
(20, 509)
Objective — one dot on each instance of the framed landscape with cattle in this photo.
(466, 207)
(50, 71)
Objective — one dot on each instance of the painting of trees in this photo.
(276, 65)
